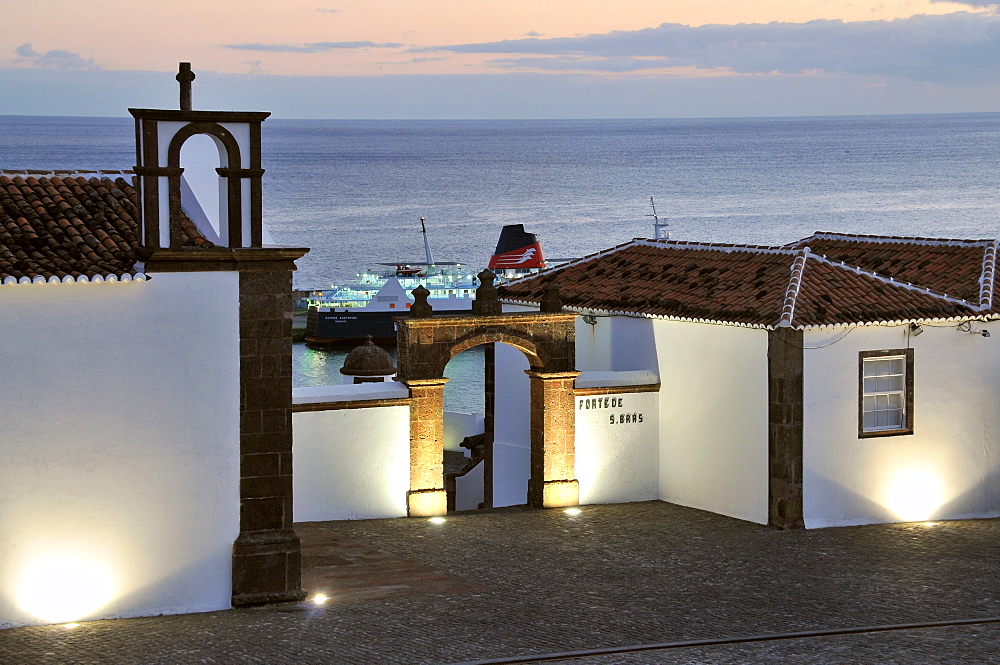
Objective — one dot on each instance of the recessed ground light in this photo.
(320, 599)
(572, 511)
(437, 520)
(71, 626)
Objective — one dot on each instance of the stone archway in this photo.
(426, 344)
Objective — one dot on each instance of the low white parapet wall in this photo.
(617, 436)
(616, 379)
(458, 425)
(349, 392)
(351, 451)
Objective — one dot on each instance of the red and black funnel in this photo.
(517, 250)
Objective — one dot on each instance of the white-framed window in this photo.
(886, 393)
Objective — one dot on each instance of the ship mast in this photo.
(427, 245)
(661, 230)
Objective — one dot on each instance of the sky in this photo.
(510, 59)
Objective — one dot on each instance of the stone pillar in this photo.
(427, 496)
(266, 555)
(784, 436)
(553, 481)
(489, 428)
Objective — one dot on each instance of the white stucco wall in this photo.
(713, 417)
(119, 434)
(512, 428)
(947, 469)
(351, 463)
(616, 456)
(469, 489)
(457, 426)
(615, 343)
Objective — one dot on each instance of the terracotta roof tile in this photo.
(952, 267)
(71, 224)
(759, 286)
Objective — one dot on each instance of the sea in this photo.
(353, 191)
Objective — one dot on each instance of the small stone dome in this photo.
(369, 359)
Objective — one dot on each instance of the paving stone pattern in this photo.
(613, 576)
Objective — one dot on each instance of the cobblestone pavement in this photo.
(612, 576)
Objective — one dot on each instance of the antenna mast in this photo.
(661, 230)
(427, 245)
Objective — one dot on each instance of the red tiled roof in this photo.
(70, 224)
(748, 285)
(952, 267)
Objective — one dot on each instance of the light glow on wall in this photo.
(914, 494)
(62, 588)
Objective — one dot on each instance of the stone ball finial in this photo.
(551, 300)
(487, 302)
(369, 359)
(486, 278)
(421, 309)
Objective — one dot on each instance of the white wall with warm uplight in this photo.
(119, 488)
(617, 447)
(713, 417)
(351, 463)
(948, 467)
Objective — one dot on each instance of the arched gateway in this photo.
(426, 343)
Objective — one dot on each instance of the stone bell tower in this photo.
(266, 563)
(160, 135)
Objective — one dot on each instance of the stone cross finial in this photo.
(487, 302)
(184, 77)
(551, 301)
(421, 309)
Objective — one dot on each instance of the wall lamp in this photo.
(916, 329)
(590, 318)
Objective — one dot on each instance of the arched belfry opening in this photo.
(426, 343)
(160, 136)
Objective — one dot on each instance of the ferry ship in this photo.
(347, 313)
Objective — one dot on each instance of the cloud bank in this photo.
(970, 3)
(27, 56)
(961, 47)
(315, 47)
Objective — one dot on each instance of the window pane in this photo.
(883, 398)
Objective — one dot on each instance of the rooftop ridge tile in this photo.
(797, 270)
(722, 246)
(910, 240)
(62, 172)
(988, 276)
